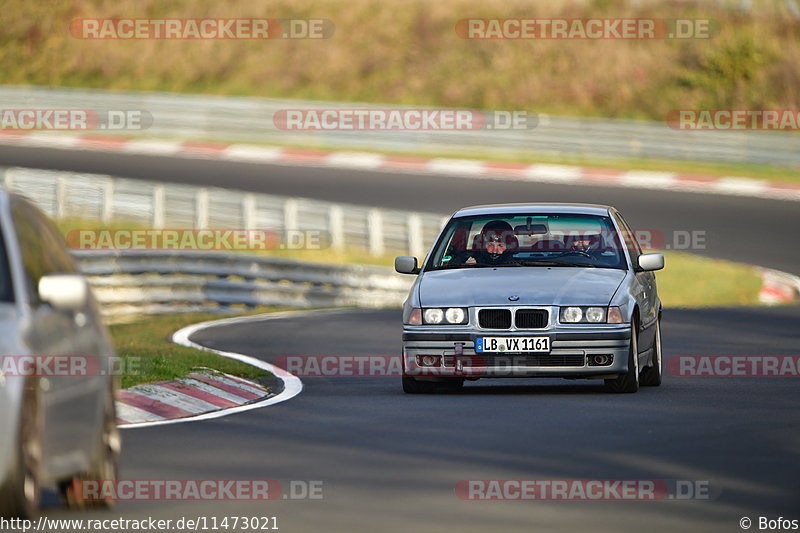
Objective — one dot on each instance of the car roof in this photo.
(543, 208)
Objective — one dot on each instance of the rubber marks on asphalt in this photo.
(200, 392)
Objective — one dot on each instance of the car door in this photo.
(644, 290)
(71, 400)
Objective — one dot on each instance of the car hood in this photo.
(533, 286)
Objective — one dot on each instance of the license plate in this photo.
(512, 344)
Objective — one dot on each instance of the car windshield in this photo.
(528, 240)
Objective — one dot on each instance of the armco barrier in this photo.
(138, 282)
(248, 119)
(164, 205)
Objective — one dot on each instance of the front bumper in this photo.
(574, 353)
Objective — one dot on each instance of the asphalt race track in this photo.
(757, 231)
(390, 462)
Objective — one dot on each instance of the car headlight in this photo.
(595, 314)
(590, 315)
(438, 315)
(433, 316)
(455, 315)
(571, 314)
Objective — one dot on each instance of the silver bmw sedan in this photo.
(533, 290)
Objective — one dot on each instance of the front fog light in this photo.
(429, 360)
(595, 314)
(572, 314)
(433, 316)
(455, 315)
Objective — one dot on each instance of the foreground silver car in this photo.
(525, 290)
(57, 411)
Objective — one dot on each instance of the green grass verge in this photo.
(409, 53)
(692, 281)
(149, 355)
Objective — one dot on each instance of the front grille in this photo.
(531, 318)
(494, 318)
(504, 360)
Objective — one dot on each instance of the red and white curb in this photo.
(200, 392)
(230, 392)
(778, 287)
(466, 168)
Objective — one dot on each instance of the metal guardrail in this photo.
(135, 282)
(130, 283)
(246, 119)
(64, 195)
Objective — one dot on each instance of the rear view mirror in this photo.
(64, 291)
(531, 229)
(648, 262)
(406, 264)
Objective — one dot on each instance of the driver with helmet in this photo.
(494, 245)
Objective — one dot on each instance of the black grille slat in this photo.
(494, 318)
(544, 360)
(531, 318)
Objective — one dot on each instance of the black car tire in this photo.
(629, 381)
(413, 386)
(19, 495)
(651, 375)
(104, 466)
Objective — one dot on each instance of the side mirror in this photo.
(406, 264)
(68, 292)
(648, 262)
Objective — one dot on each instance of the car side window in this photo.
(6, 286)
(630, 239)
(58, 258)
(41, 248)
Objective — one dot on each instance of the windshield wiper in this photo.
(462, 265)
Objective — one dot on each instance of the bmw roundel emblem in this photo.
(513, 298)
